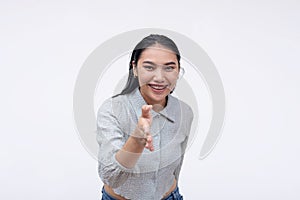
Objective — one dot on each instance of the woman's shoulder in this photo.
(185, 108)
(112, 103)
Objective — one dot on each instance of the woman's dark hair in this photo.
(148, 41)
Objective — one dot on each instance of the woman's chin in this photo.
(159, 98)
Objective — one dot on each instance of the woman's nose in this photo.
(158, 75)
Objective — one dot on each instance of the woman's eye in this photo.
(147, 67)
(169, 68)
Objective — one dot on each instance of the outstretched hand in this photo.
(144, 125)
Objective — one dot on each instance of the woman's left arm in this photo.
(189, 116)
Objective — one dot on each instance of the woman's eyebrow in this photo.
(170, 63)
(149, 62)
(152, 63)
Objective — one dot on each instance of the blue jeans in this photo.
(175, 195)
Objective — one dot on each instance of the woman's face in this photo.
(157, 71)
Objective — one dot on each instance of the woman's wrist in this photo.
(139, 137)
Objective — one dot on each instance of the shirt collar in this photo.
(137, 101)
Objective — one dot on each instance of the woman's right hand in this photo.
(143, 127)
(140, 139)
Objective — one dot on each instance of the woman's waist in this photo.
(110, 191)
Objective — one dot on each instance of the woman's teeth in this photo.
(158, 87)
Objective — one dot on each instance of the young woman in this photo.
(143, 131)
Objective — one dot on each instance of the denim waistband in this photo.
(106, 196)
(175, 195)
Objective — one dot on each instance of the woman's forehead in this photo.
(158, 54)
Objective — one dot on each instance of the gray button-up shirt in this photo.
(154, 172)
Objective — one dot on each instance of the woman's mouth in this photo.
(157, 88)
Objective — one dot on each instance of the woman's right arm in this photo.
(139, 139)
(117, 155)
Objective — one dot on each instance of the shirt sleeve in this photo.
(111, 138)
(178, 168)
(190, 116)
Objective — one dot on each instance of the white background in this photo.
(254, 45)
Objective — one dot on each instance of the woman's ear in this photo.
(134, 68)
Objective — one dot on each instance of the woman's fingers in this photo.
(145, 123)
(149, 143)
(146, 111)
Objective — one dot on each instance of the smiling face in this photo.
(157, 71)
